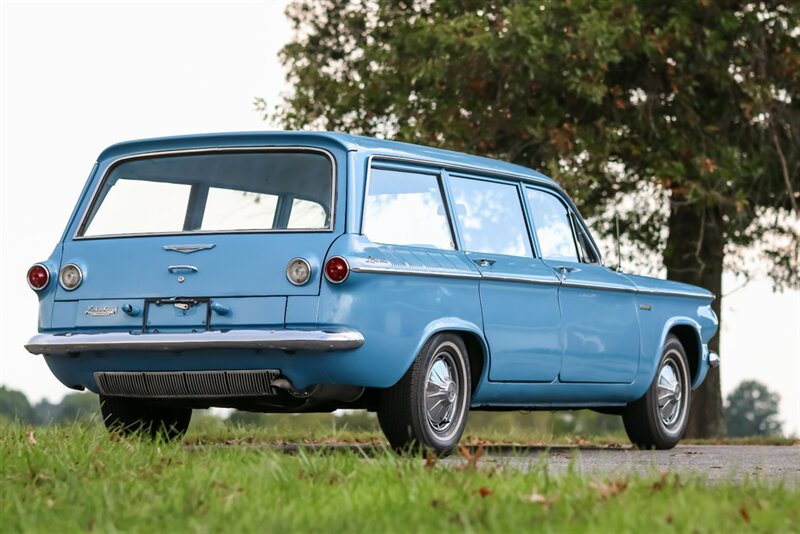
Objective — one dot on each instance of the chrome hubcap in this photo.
(441, 393)
(670, 393)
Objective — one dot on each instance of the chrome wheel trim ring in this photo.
(444, 393)
(672, 392)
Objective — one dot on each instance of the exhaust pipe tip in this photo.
(321, 392)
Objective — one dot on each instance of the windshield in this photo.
(219, 192)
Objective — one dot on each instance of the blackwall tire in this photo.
(658, 419)
(427, 409)
(135, 416)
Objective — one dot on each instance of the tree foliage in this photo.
(684, 115)
(752, 410)
(696, 101)
(14, 406)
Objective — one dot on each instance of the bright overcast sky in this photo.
(77, 77)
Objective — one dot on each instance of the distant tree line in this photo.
(14, 405)
(751, 410)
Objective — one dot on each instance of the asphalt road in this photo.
(715, 462)
(772, 463)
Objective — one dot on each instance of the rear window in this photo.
(220, 192)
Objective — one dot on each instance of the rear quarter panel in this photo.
(396, 313)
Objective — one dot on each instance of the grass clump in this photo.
(78, 478)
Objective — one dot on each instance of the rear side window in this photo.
(552, 225)
(220, 192)
(490, 217)
(406, 208)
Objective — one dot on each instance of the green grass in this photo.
(77, 477)
(483, 428)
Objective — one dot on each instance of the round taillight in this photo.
(70, 276)
(298, 271)
(38, 277)
(337, 270)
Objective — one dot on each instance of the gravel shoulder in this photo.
(779, 464)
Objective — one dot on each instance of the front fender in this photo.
(698, 350)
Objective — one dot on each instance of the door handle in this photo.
(182, 268)
(484, 262)
(563, 270)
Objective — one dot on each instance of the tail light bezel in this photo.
(47, 279)
(80, 277)
(346, 270)
(307, 265)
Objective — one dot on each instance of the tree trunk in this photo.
(694, 255)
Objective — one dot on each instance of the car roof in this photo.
(368, 145)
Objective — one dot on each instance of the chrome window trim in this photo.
(576, 238)
(571, 215)
(437, 175)
(441, 165)
(212, 150)
(460, 175)
(579, 220)
(465, 168)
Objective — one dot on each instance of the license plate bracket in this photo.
(175, 314)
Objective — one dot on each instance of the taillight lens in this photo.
(38, 277)
(337, 270)
(298, 271)
(70, 276)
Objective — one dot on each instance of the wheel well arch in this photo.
(476, 354)
(692, 345)
(477, 350)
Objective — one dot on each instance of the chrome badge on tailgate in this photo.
(101, 311)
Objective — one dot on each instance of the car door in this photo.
(519, 293)
(598, 305)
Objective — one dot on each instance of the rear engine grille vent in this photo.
(187, 384)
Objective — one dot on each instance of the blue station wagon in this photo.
(308, 272)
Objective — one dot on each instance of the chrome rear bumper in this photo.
(312, 340)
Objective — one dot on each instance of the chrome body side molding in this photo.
(520, 279)
(676, 294)
(415, 272)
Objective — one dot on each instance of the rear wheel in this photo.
(658, 420)
(135, 416)
(427, 409)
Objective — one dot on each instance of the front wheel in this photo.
(135, 416)
(658, 420)
(427, 408)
